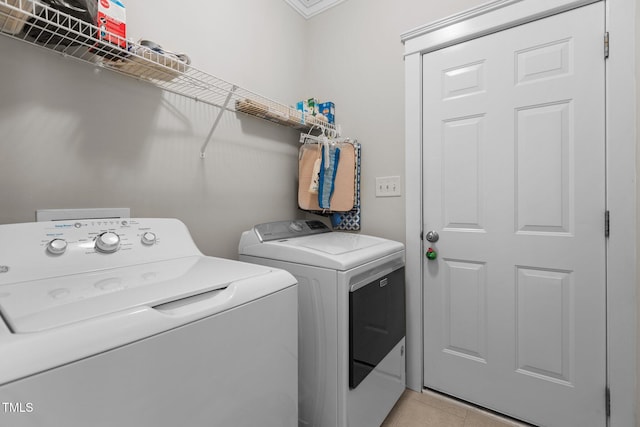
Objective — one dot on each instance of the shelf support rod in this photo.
(217, 121)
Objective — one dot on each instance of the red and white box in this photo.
(111, 22)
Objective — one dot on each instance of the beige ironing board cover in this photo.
(344, 192)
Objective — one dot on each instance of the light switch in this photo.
(388, 186)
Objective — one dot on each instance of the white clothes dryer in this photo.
(125, 323)
(351, 318)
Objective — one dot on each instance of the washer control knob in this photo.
(148, 238)
(108, 242)
(57, 246)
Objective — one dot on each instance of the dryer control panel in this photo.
(280, 230)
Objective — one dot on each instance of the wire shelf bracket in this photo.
(217, 120)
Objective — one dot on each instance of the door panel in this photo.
(514, 183)
(465, 308)
(543, 200)
(543, 303)
(462, 178)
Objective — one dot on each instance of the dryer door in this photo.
(376, 323)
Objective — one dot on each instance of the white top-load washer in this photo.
(125, 323)
(351, 318)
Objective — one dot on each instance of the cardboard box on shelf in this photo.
(328, 109)
(111, 24)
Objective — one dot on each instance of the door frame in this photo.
(621, 176)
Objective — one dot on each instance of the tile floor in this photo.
(430, 409)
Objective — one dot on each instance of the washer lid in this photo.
(335, 250)
(40, 305)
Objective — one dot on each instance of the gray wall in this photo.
(638, 207)
(358, 63)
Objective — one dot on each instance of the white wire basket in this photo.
(149, 64)
(12, 21)
(278, 113)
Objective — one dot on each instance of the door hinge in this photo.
(607, 223)
(606, 45)
(607, 401)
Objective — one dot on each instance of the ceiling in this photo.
(309, 8)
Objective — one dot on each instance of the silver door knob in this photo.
(432, 236)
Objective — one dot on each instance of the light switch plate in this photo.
(388, 186)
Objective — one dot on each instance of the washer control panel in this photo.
(103, 236)
(49, 248)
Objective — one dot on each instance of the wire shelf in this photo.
(41, 25)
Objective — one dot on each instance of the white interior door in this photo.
(514, 183)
